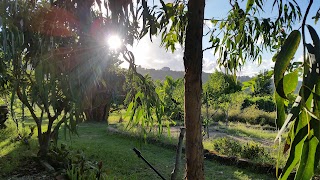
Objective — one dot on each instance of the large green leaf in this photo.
(290, 82)
(298, 149)
(295, 111)
(307, 162)
(283, 59)
(295, 151)
(280, 111)
(289, 86)
(315, 38)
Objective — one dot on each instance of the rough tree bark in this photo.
(193, 69)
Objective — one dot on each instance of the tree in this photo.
(241, 30)
(218, 91)
(32, 74)
(260, 85)
(193, 89)
(220, 84)
(47, 62)
(171, 98)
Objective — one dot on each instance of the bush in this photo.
(264, 103)
(227, 146)
(218, 116)
(252, 150)
(77, 166)
(215, 115)
(253, 115)
(234, 115)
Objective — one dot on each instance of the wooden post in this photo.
(176, 169)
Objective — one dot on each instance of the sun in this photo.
(114, 42)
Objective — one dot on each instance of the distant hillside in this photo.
(165, 71)
(162, 73)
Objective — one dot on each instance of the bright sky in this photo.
(151, 55)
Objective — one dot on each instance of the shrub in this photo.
(215, 115)
(264, 103)
(252, 150)
(227, 146)
(77, 166)
(234, 115)
(253, 115)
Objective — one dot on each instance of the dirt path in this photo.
(215, 133)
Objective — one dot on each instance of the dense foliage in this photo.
(52, 61)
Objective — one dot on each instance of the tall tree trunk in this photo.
(193, 69)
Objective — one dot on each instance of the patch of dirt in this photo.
(29, 170)
(216, 133)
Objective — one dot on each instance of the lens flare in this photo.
(114, 42)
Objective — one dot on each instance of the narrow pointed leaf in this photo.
(314, 36)
(307, 162)
(295, 152)
(283, 59)
(280, 111)
(249, 5)
(294, 113)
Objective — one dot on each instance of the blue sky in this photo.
(151, 55)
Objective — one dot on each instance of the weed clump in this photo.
(227, 146)
(250, 150)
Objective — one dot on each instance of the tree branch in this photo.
(25, 102)
(208, 48)
(303, 33)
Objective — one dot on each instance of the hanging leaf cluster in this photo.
(145, 108)
(244, 34)
(303, 121)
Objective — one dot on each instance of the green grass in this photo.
(14, 151)
(244, 130)
(114, 117)
(120, 162)
(243, 134)
(114, 150)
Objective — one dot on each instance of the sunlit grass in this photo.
(14, 151)
(120, 162)
(115, 116)
(115, 150)
(256, 131)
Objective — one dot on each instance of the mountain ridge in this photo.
(160, 74)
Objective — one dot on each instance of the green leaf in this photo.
(290, 82)
(283, 59)
(314, 36)
(139, 113)
(307, 162)
(281, 115)
(295, 152)
(249, 5)
(293, 115)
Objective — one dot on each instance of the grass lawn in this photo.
(120, 162)
(115, 151)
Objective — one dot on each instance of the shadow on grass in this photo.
(120, 162)
(14, 152)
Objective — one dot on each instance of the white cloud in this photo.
(151, 55)
(253, 68)
(208, 23)
(209, 65)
